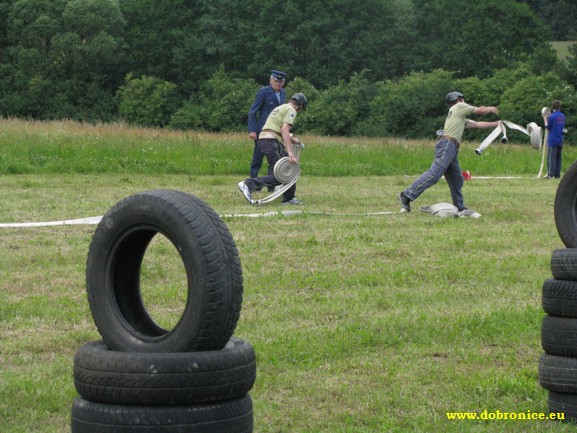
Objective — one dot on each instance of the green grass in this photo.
(562, 48)
(361, 323)
(68, 147)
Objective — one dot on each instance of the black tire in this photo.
(106, 376)
(564, 264)
(565, 207)
(558, 373)
(559, 336)
(232, 416)
(565, 404)
(209, 255)
(559, 297)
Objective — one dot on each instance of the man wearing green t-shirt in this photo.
(276, 142)
(446, 152)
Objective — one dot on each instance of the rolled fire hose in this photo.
(286, 173)
(445, 210)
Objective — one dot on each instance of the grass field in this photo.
(361, 323)
(562, 48)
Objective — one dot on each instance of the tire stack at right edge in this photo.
(558, 365)
(193, 378)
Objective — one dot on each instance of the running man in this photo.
(446, 152)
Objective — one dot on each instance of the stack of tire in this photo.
(558, 365)
(141, 377)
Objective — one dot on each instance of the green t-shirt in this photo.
(285, 113)
(457, 119)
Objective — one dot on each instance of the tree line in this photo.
(377, 67)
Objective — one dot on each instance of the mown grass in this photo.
(361, 322)
(562, 49)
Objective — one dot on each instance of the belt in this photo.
(453, 139)
(271, 140)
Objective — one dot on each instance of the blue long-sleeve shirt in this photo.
(265, 101)
(555, 125)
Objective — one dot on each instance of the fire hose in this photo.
(545, 112)
(532, 130)
(286, 173)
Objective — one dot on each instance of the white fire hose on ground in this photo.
(286, 173)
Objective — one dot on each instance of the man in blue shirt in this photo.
(267, 99)
(556, 127)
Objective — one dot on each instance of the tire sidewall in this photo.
(124, 230)
(565, 207)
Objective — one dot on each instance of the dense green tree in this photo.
(64, 59)
(559, 15)
(25, 87)
(476, 38)
(4, 12)
(328, 41)
(68, 58)
(186, 41)
(156, 30)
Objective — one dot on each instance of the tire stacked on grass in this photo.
(194, 377)
(558, 365)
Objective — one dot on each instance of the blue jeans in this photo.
(447, 164)
(554, 158)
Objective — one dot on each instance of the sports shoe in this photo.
(245, 191)
(467, 213)
(405, 202)
(293, 200)
(478, 151)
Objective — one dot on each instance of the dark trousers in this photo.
(273, 150)
(554, 158)
(256, 162)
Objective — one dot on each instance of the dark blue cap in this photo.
(278, 75)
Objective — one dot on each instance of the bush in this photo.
(339, 108)
(147, 101)
(413, 107)
(221, 104)
(522, 103)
